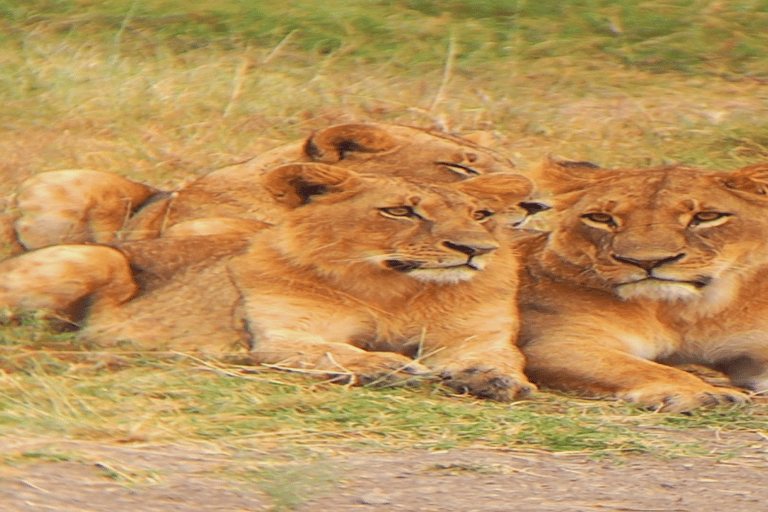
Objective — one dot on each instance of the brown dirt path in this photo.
(92, 477)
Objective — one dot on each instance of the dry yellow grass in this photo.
(163, 116)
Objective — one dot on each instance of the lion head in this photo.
(433, 233)
(391, 149)
(667, 233)
(645, 269)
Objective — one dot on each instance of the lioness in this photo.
(81, 206)
(366, 276)
(646, 267)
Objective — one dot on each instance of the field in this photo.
(163, 91)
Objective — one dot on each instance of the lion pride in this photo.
(646, 268)
(85, 206)
(366, 278)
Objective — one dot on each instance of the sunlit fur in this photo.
(83, 206)
(338, 288)
(645, 268)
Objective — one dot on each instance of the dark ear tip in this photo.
(332, 144)
(306, 190)
(311, 149)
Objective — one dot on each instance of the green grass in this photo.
(162, 91)
(691, 36)
(50, 388)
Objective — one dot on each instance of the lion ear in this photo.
(332, 144)
(296, 184)
(560, 176)
(503, 187)
(752, 178)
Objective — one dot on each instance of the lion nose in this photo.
(649, 263)
(470, 250)
(533, 207)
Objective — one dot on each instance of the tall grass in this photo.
(165, 90)
(687, 35)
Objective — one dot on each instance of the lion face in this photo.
(668, 233)
(350, 224)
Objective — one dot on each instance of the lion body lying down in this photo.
(646, 267)
(79, 206)
(365, 278)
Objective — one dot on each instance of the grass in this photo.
(53, 387)
(162, 91)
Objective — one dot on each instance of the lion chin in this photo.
(654, 289)
(444, 275)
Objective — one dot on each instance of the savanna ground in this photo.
(165, 90)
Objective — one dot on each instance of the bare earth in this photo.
(171, 477)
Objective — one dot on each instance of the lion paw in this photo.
(488, 383)
(684, 400)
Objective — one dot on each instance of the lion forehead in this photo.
(663, 192)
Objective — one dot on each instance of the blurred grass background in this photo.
(163, 91)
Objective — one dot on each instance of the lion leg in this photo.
(306, 353)
(490, 369)
(59, 279)
(574, 367)
(75, 206)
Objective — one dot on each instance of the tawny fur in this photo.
(90, 206)
(366, 279)
(646, 267)
(73, 206)
(66, 280)
(391, 150)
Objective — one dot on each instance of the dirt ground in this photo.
(90, 477)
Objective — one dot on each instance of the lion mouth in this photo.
(410, 266)
(696, 283)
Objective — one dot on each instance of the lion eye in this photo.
(708, 217)
(480, 215)
(461, 170)
(399, 211)
(600, 218)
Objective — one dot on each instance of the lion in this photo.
(85, 206)
(367, 278)
(644, 269)
(72, 206)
